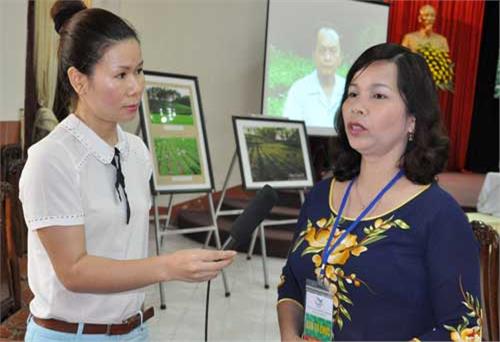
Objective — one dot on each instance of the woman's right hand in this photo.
(196, 265)
(81, 272)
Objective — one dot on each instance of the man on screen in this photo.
(315, 98)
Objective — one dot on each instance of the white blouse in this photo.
(69, 180)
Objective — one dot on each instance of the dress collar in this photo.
(94, 143)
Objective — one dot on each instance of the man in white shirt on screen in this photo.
(316, 97)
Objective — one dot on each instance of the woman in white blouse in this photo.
(85, 193)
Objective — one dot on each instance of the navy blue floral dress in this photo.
(411, 273)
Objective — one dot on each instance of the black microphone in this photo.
(244, 226)
(251, 217)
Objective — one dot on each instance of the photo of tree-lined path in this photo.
(275, 154)
(169, 107)
(177, 156)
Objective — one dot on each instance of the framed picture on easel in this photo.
(174, 130)
(273, 151)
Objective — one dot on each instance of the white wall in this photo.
(219, 41)
(13, 32)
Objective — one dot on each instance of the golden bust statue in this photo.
(425, 35)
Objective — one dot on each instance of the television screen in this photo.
(310, 46)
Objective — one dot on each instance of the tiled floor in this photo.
(248, 314)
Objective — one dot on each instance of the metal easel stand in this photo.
(160, 233)
(262, 235)
(219, 212)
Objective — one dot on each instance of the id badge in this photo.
(318, 322)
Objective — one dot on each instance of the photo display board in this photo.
(273, 151)
(174, 130)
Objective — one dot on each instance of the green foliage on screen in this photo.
(284, 69)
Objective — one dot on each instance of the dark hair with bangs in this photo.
(427, 154)
(85, 35)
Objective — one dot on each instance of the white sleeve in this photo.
(49, 188)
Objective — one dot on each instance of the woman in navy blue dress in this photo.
(401, 263)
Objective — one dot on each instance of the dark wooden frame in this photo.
(13, 230)
(489, 242)
(9, 264)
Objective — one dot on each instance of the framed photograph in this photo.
(174, 130)
(273, 151)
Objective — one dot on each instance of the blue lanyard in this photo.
(353, 225)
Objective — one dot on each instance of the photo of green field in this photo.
(177, 156)
(275, 154)
(167, 106)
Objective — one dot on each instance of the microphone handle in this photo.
(229, 244)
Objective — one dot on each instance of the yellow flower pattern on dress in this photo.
(282, 281)
(467, 334)
(334, 279)
(464, 332)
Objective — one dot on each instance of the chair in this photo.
(489, 241)
(20, 230)
(10, 284)
(8, 153)
(13, 230)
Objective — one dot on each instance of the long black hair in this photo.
(427, 154)
(85, 35)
